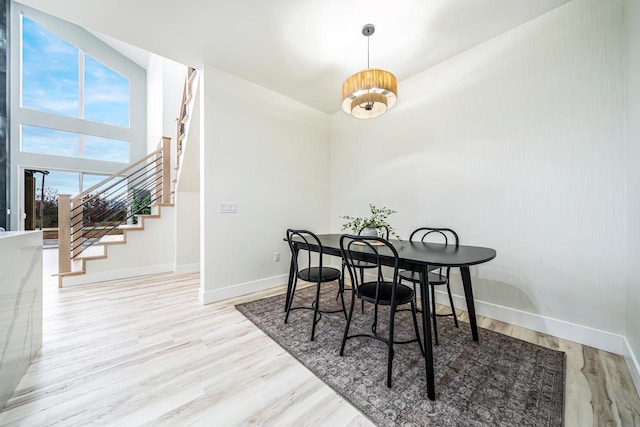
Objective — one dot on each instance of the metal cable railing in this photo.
(121, 210)
(84, 220)
(102, 213)
(115, 191)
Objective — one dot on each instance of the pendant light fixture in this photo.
(371, 92)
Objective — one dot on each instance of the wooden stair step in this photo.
(70, 273)
(91, 252)
(129, 226)
(113, 238)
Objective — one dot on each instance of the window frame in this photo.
(136, 134)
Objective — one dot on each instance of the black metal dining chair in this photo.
(437, 277)
(382, 231)
(355, 249)
(307, 272)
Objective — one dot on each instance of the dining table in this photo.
(420, 257)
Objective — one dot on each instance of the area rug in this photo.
(498, 381)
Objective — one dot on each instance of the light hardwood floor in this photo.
(145, 352)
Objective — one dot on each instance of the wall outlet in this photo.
(276, 257)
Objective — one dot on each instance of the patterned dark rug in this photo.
(500, 381)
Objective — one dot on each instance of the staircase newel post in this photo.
(64, 234)
(166, 170)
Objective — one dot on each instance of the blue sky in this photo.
(50, 77)
(49, 73)
(68, 182)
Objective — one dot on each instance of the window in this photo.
(89, 180)
(106, 94)
(51, 83)
(78, 105)
(56, 183)
(54, 142)
(49, 71)
(49, 141)
(99, 148)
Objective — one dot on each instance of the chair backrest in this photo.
(371, 249)
(435, 235)
(306, 240)
(382, 230)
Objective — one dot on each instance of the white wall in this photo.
(187, 231)
(270, 155)
(518, 145)
(165, 81)
(154, 102)
(174, 74)
(187, 248)
(632, 21)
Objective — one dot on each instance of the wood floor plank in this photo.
(577, 401)
(144, 351)
(597, 377)
(621, 388)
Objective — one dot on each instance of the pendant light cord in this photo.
(368, 37)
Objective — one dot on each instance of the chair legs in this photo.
(433, 312)
(290, 298)
(346, 327)
(362, 281)
(315, 305)
(341, 290)
(389, 341)
(453, 308)
(374, 325)
(415, 326)
(390, 354)
(434, 315)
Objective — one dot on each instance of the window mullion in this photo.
(80, 83)
(81, 102)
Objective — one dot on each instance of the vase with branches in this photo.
(377, 219)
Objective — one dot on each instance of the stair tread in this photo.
(70, 273)
(99, 249)
(111, 238)
(129, 226)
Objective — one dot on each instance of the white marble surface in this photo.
(20, 306)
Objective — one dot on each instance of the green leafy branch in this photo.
(378, 218)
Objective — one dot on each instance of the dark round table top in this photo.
(433, 254)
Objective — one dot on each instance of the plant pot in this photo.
(369, 231)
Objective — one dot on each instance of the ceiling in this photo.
(302, 49)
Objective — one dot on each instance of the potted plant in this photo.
(370, 225)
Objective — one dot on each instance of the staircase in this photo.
(132, 207)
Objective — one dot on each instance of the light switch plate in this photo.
(227, 207)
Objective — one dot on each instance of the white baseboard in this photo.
(187, 268)
(214, 295)
(596, 338)
(602, 340)
(632, 363)
(84, 279)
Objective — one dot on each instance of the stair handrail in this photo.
(71, 227)
(121, 172)
(181, 127)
